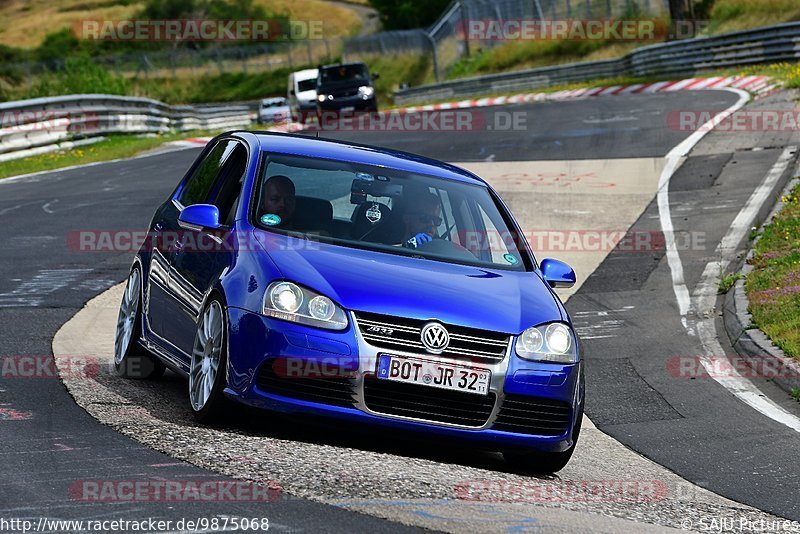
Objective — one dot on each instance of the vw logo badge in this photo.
(435, 338)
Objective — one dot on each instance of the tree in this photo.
(408, 14)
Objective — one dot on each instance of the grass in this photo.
(25, 23)
(795, 394)
(225, 87)
(727, 282)
(733, 15)
(531, 54)
(725, 16)
(394, 70)
(337, 20)
(773, 287)
(788, 73)
(114, 147)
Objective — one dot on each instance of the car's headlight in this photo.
(321, 98)
(290, 302)
(365, 91)
(554, 342)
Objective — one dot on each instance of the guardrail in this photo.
(770, 44)
(39, 124)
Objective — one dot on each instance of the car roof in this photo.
(338, 65)
(302, 145)
(306, 72)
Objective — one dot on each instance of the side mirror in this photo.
(557, 273)
(199, 217)
(291, 92)
(375, 75)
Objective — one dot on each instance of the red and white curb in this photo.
(288, 127)
(759, 86)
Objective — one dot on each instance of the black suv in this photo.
(345, 87)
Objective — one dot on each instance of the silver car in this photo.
(273, 111)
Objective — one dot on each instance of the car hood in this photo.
(360, 280)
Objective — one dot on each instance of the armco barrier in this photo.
(770, 44)
(40, 122)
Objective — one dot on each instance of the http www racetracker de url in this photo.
(198, 524)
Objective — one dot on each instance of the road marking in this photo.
(47, 208)
(673, 158)
(705, 294)
(30, 293)
(588, 324)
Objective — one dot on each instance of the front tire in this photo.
(207, 378)
(544, 463)
(131, 360)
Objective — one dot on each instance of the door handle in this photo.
(158, 227)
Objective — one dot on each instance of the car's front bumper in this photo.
(350, 103)
(259, 345)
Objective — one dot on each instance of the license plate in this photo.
(434, 374)
(348, 108)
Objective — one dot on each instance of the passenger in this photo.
(279, 199)
(422, 215)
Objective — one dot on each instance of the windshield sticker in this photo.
(270, 219)
(374, 213)
(510, 258)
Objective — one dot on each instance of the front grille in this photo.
(334, 390)
(533, 415)
(397, 333)
(345, 93)
(427, 403)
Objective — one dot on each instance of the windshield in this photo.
(344, 73)
(385, 210)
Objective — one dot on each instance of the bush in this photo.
(225, 87)
(80, 75)
(57, 45)
(408, 14)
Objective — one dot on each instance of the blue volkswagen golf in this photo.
(312, 276)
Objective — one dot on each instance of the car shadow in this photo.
(166, 399)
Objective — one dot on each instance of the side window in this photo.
(229, 185)
(199, 185)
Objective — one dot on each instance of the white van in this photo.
(302, 93)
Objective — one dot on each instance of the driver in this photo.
(422, 216)
(279, 199)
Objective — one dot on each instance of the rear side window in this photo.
(199, 185)
(306, 85)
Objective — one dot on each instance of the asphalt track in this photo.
(692, 426)
(695, 428)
